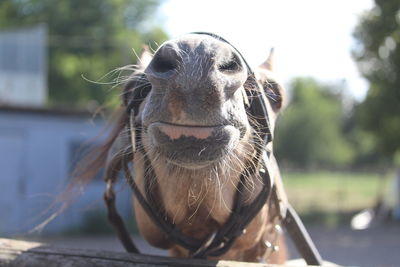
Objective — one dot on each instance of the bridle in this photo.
(220, 241)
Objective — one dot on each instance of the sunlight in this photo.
(311, 38)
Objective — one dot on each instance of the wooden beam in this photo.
(31, 254)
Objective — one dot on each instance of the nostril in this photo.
(163, 64)
(165, 60)
(229, 66)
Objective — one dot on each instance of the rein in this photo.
(220, 241)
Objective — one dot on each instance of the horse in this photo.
(199, 153)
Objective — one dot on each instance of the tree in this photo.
(309, 132)
(378, 56)
(86, 38)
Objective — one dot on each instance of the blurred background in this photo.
(337, 142)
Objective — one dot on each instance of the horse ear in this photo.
(269, 63)
(275, 94)
(273, 90)
(145, 57)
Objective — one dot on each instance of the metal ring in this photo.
(205, 245)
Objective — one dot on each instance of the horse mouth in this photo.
(192, 146)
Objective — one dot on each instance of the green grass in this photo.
(327, 198)
(331, 197)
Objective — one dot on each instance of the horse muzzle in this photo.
(198, 145)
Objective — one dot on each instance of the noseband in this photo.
(220, 241)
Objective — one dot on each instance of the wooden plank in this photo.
(21, 253)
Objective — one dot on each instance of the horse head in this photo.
(190, 104)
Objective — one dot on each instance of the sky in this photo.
(310, 37)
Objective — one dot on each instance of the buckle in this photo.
(132, 130)
(206, 244)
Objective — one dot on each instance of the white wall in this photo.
(35, 159)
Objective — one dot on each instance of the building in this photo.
(23, 66)
(39, 146)
(38, 149)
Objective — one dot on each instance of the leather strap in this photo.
(301, 238)
(117, 222)
(219, 242)
(224, 238)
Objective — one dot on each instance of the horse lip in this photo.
(191, 165)
(188, 125)
(192, 146)
(175, 131)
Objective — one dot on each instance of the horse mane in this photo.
(96, 159)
